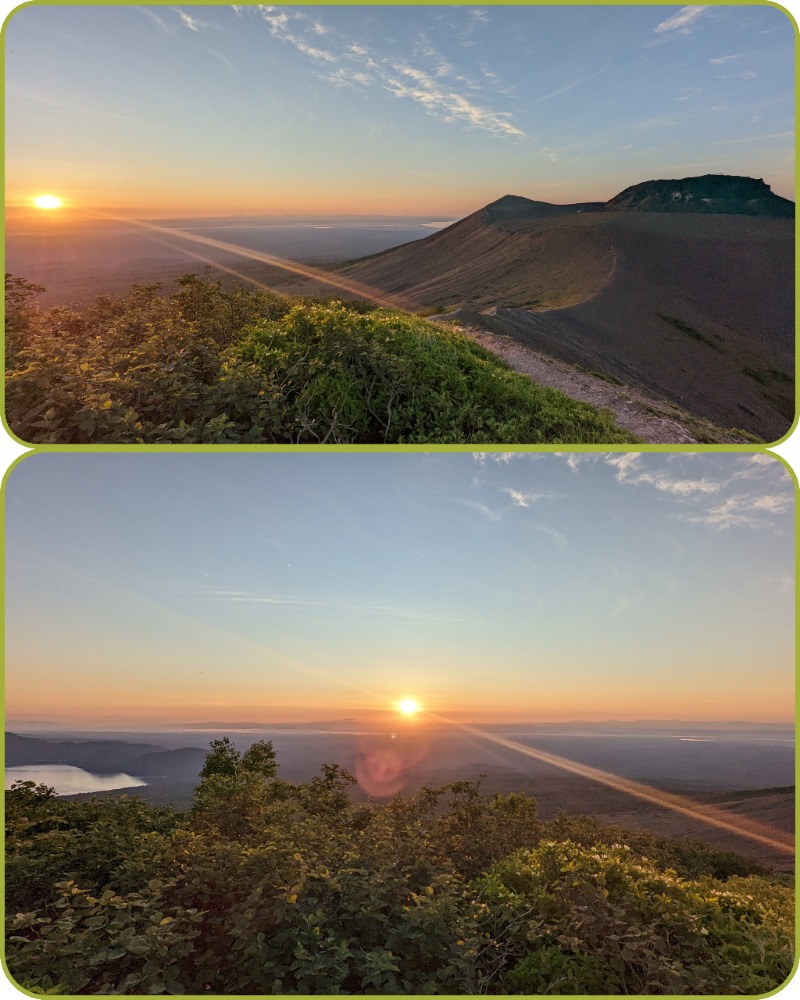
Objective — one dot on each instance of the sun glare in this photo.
(47, 201)
(408, 706)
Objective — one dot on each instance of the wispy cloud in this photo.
(754, 138)
(229, 65)
(59, 105)
(756, 466)
(477, 18)
(575, 459)
(556, 537)
(579, 82)
(723, 59)
(679, 487)
(628, 470)
(355, 607)
(682, 22)
(279, 21)
(624, 463)
(754, 509)
(159, 22)
(428, 80)
(741, 511)
(488, 513)
(444, 103)
(521, 499)
(192, 23)
(503, 457)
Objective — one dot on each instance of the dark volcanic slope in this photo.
(697, 308)
(514, 251)
(710, 194)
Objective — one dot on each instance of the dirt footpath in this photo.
(653, 421)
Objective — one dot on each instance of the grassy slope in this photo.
(210, 365)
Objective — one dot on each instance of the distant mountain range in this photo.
(107, 757)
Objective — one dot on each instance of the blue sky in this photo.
(310, 585)
(373, 109)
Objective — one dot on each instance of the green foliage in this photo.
(553, 971)
(105, 944)
(215, 364)
(233, 788)
(90, 842)
(272, 887)
(474, 832)
(646, 930)
(388, 377)
(688, 858)
(21, 313)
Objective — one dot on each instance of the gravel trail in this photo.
(632, 409)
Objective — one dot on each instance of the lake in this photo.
(69, 780)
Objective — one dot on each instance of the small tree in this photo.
(223, 759)
(260, 759)
(232, 792)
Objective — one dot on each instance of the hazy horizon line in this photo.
(71, 210)
(442, 718)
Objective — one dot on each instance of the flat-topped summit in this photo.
(716, 194)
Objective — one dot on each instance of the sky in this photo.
(222, 110)
(275, 587)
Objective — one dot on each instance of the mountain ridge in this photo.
(692, 305)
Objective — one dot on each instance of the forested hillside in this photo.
(270, 887)
(214, 364)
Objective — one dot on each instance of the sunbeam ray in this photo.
(354, 288)
(740, 825)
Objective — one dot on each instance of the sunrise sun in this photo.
(408, 706)
(47, 201)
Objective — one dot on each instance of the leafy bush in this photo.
(553, 971)
(271, 887)
(212, 364)
(105, 944)
(646, 930)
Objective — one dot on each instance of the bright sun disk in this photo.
(408, 706)
(47, 201)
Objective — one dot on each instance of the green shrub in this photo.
(651, 931)
(216, 365)
(553, 971)
(271, 887)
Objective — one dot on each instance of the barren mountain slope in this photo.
(517, 258)
(699, 310)
(695, 308)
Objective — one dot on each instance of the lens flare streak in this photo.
(740, 825)
(354, 288)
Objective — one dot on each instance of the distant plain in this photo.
(747, 769)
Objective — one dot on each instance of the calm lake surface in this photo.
(69, 780)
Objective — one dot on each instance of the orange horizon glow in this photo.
(33, 710)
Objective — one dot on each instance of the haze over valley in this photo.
(745, 767)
